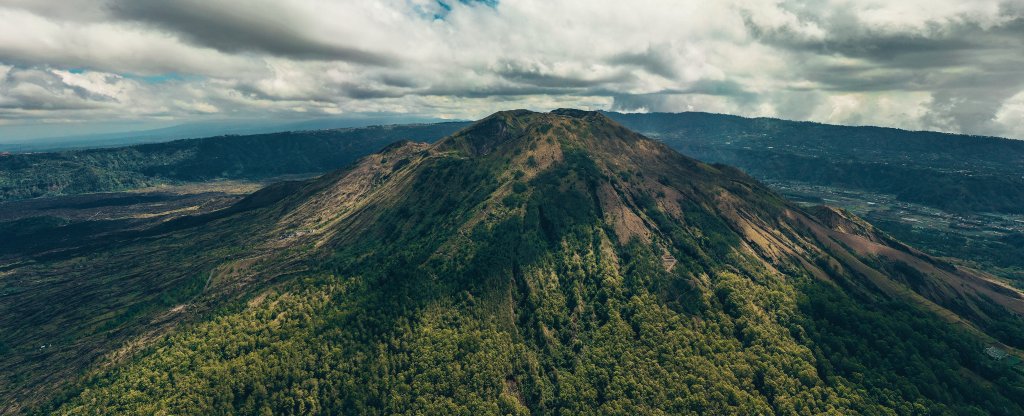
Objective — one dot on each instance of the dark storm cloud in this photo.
(718, 87)
(497, 91)
(252, 91)
(855, 41)
(537, 75)
(646, 102)
(260, 28)
(958, 56)
(990, 74)
(935, 45)
(326, 93)
(651, 60)
(970, 109)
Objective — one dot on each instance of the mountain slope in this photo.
(531, 263)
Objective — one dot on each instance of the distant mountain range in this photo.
(197, 130)
(949, 171)
(953, 172)
(530, 263)
(225, 157)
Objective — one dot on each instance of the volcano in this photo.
(532, 263)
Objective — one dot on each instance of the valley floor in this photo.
(990, 241)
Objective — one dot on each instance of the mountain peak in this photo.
(582, 114)
(563, 127)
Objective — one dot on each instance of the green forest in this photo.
(588, 334)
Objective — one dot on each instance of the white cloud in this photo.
(1011, 116)
(843, 61)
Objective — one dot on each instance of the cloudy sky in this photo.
(90, 65)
